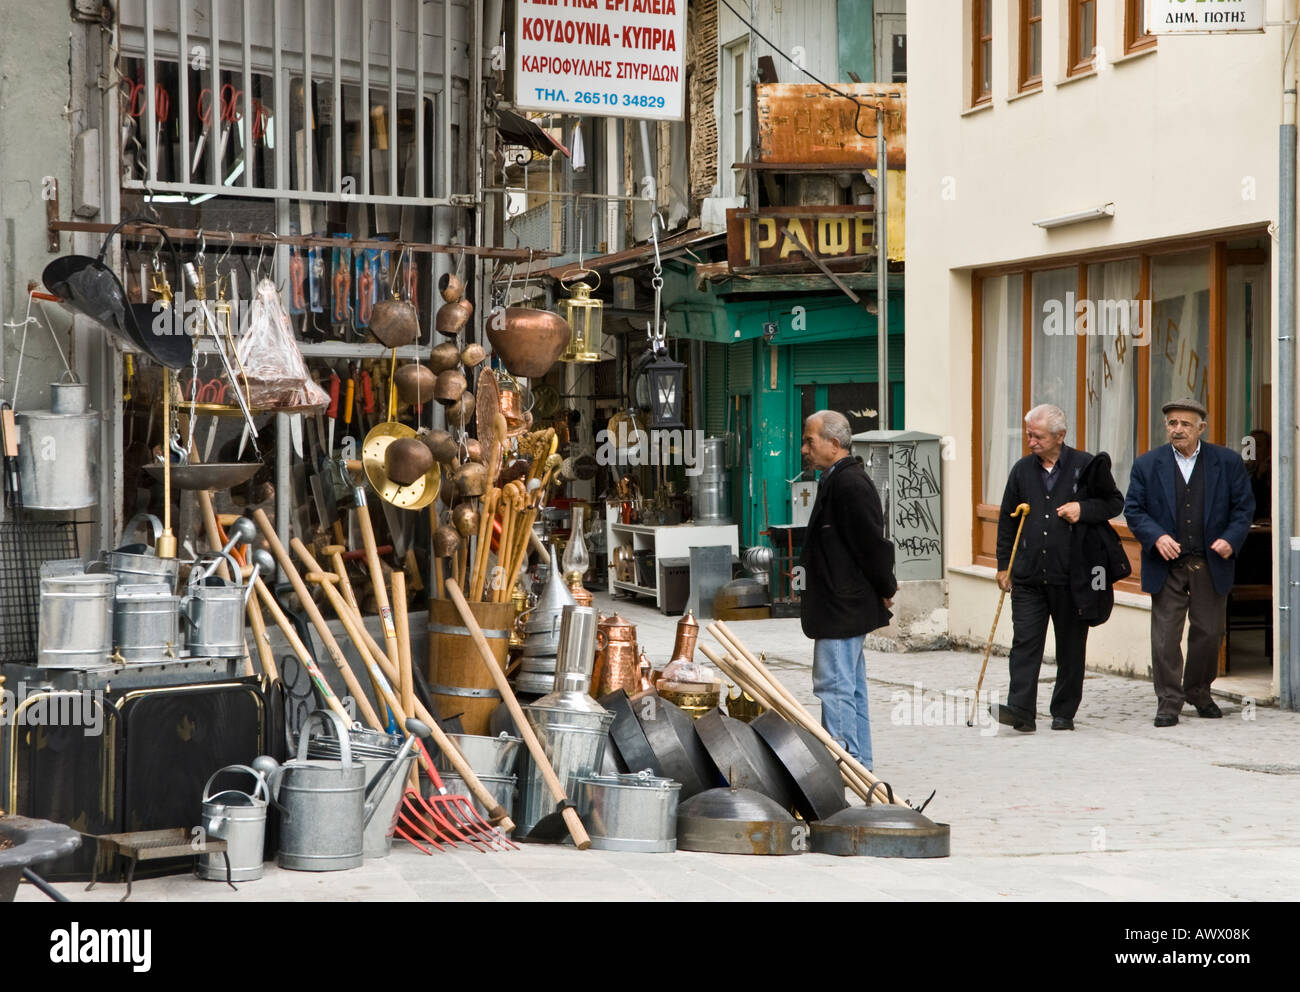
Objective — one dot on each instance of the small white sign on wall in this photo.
(1206, 16)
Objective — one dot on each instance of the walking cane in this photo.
(1021, 511)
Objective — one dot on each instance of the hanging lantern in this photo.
(661, 389)
(585, 315)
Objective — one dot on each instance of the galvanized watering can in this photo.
(239, 819)
(324, 804)
(136, 563)
(213, 608)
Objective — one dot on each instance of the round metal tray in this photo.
(419, 493)
(742, 757)
(213, 476)
(818, 785)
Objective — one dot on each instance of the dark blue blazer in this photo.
(1149, 510)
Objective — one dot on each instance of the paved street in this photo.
(1116, 810)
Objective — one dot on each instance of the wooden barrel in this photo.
(457, 679)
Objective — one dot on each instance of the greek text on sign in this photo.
(1205, 16)
(832, 232)
(603, 58)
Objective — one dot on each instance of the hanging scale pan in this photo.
(87, 286)
(419, 493)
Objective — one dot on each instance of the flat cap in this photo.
(1186, 403)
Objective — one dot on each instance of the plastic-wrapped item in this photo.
(687, 676)
(276, 373)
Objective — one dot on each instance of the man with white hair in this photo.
(1048, 480)
(849, 584)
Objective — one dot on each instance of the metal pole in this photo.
(882, 271)
(1284, 522)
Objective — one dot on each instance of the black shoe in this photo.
(1062, 723)
(1013, 718)
(1210, 711)
(1166, 720)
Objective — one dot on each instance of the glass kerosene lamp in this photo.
(576, 558)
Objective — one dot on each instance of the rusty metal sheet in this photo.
(805, 124)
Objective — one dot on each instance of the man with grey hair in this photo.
(1048, 480)
(849, 584)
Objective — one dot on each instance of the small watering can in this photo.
(325, 805)
(214, 609)
(239, 819)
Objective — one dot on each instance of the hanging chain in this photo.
(655, 330)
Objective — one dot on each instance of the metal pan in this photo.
(817, 784)
(678, 753)
(631, 748)
(743, 759)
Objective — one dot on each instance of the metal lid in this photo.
(145, 590)
(631, 780)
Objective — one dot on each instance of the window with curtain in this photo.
(1031, 44)
(982, 51)
(1002, 363)
(1248, 361)
(1136, 37)
(1111, 380)
(1083, 35)
(1054, 359)
(1180, 333)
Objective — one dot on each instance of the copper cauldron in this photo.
(529, 341)
(617, 666)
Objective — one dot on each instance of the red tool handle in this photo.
(368, 405)
(335, 382)
(347, 403)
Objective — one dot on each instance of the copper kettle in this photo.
(617, 666)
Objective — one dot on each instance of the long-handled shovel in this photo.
(1021, 511)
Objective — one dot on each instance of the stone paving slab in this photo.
(1116, 810)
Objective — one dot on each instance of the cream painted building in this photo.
(1030, 110)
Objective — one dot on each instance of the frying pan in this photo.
(625, 733)
(818, 786)
(679, 755)
(742, 757)
(89, 287)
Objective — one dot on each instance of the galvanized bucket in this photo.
(711, 488)
(575, 746)
(240, 820)
(323, 805)
(629, 812)
(146, 624)
(58, 461)
(214, 610)
(135, 563)
(76, 619)
(484, 755)
(501, 787)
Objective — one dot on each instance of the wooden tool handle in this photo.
(264, 653)
(405, 684)
(300, 649)
(571, 819)
(317, 619)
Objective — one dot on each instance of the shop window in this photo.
(1031, 44)
(1136, 36)
(1083, 36)
(1111, 377)
(1248, 336)
(1053, 346)
(1180, 333)
(1003, 409)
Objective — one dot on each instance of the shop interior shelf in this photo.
(633, 587)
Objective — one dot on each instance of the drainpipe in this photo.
(1287, 553)
(882, 271)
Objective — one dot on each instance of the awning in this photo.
(516, 130)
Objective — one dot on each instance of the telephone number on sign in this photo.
(614, 99)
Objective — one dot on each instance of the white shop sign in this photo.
(604, 58)
(1206, 16)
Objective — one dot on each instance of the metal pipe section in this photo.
(882, 272)
(1284, 522)
(652, 194)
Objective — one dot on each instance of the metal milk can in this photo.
(240, 820)
(146, 624)
(213, 608)
(58, 453)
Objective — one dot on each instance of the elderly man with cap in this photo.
(1189, 504)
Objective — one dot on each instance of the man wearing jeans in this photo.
(849, 584)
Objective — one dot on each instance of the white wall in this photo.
(1179, 139)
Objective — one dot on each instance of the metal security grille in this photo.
(24, 545)
(241, 70)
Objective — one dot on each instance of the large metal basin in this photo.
(34, 842)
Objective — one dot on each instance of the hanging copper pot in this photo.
(461, 413)
(406, 461)
(465, 518)
(440, 444)
(472, 479)
(446, 541)
(512, 410)
(475, 450)
(414, 384)
(394, 323)
(449, 386)
(529, 342)
(443, 357)
(451, 287)
(452, 317)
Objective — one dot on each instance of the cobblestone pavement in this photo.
(1116, 810)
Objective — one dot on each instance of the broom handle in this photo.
(571, 819)
(1021, 511)
(300, 649)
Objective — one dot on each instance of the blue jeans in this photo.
(840, 682)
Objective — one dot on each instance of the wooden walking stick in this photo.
(1021, 511)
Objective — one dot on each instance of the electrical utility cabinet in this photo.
(904, 466)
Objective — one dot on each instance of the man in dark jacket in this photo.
(1047, 479)
(1189, 505)
(849, 585)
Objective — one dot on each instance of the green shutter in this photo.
(715, 393)
(850, 360)
(740, 369)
